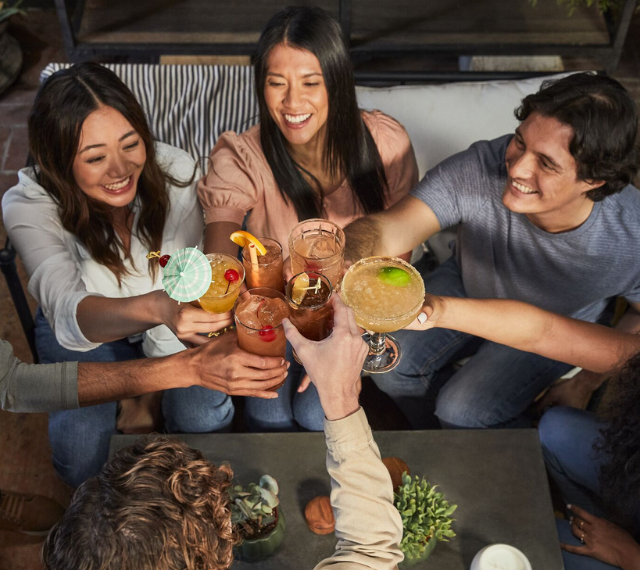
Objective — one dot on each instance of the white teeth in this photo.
(118, 185)
(297, 118)
(523, 188)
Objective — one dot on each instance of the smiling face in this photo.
(110, 158)
(296, 95)
(542, 176)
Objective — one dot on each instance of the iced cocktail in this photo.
(227, 275)
(264, 270)
(308, 295)
(318, 246)
(259, 313)
(386, 294)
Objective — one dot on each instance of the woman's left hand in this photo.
(603, 540)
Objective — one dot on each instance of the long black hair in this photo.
(620, 472)
(349, 147)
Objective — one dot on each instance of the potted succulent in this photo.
(257, 518)
(426, 518)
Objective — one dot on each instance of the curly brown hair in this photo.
(157, 505)
(620, 443)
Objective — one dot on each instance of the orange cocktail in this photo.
(227, 275)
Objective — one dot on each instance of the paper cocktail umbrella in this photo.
(187, 275)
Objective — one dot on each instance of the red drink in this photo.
(267, 272)
(259, 313)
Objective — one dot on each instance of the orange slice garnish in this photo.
(243, 239)
(299, 289)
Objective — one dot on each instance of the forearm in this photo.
(364, 238)
(368, 525)
(100, 382)
(631, 557)
(105, 319)
(216, 238)
(528, 328)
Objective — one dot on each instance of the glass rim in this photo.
(381, 259)
(248, 291)
(242, 273)
(319, 305)
(261, 240)
(339, 233)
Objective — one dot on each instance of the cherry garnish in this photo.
(164, 260)
(267, 334)
(231, 275)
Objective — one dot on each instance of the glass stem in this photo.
(377, 344)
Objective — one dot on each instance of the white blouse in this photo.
(61, 270)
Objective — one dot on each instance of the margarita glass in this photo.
(386, 294)
(227, 275)
(318, 246)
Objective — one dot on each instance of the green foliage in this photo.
(573, 5)
(256, 502)
(7, 10)
(425, 514)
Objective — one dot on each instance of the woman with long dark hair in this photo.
(101, 195)
(315, 154)
(593, 459)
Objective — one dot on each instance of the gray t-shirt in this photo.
(501, 254)
(36, 387)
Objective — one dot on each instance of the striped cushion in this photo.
(188, 106)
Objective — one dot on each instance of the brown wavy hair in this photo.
(157, 505)
(61, 106)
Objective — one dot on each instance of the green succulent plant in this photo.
(7, 10)
(255, 502)
(425, 514)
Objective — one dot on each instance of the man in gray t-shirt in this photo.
(546, 216)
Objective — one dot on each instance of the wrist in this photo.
(183, 368)
(156, 303)
(339, 405)
(630, 559)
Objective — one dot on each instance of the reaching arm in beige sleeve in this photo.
(368, 526)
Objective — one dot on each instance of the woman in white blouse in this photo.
(101, 195)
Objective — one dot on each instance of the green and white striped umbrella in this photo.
(187, 275)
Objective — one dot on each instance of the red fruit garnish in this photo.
(164, 260)
(231, 275)
(267, 334)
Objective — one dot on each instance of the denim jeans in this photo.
(493, 389)
(80, 438)
(567, 436)
(290, 411)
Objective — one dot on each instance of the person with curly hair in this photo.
(541, 213)
(159, 505)
(593, 459)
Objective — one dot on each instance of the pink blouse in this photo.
(241, 181)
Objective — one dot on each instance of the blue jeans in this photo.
(567, 436)
(494, 389)
(80, 438)
(290, 411)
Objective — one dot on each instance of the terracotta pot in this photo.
(427, 552)
(261, 548)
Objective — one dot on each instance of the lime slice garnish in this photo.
(394, 276)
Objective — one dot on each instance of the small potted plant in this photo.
(257, 518)
(426, 519)
(10, 52)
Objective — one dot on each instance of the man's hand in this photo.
(333, 364)
(221, 365)
(603, 540)
(573, 392)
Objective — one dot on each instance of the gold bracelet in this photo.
(216, 334)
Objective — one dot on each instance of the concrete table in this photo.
(496, 477)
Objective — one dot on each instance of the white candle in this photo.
(500, 557)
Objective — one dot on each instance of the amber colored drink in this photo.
(386, 293)
(259, 313)
(222, 293)
(268, 271)
(312, 314)
(318, 246)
